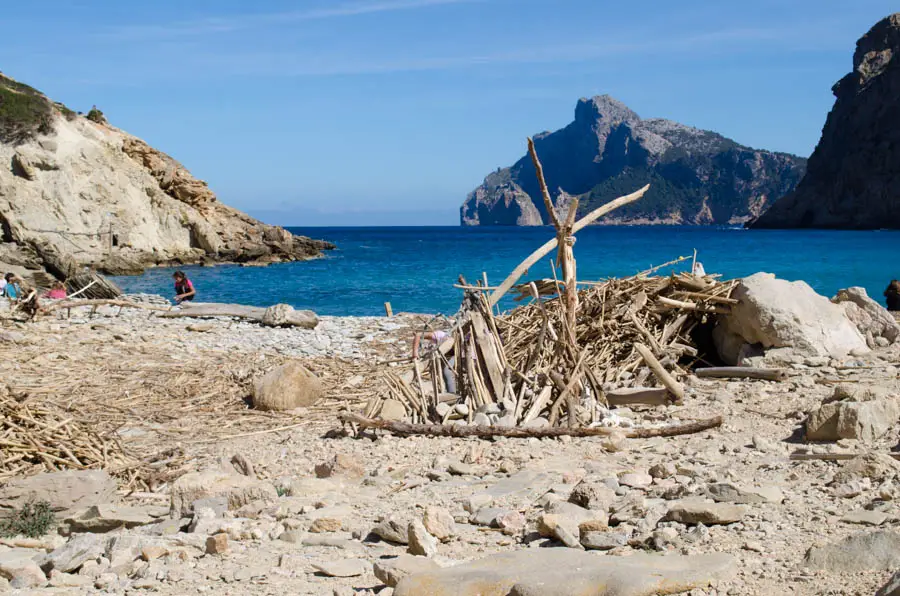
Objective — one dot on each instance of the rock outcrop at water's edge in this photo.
(696, 176)
(853, 180)
(75, 191)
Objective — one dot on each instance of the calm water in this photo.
(414, 268)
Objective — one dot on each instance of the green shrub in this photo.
(24, 112)
(68, 113)
(95, 115)
(32, 520)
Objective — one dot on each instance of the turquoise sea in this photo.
(415, 268)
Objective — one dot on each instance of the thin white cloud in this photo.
(299, 64)
(229, 24)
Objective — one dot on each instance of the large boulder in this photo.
(775, 313)
(289, 386)
(869, 316)
(237, 491)
(66, 491)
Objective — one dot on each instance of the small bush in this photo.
(95, 115)
(68, 113)
(32, 520)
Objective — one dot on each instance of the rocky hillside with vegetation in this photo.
(76, 191)
(854, 174)
(696, 176)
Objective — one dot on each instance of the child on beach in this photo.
(12, 289)
(436, 337)
(184, 289)
(57, 292)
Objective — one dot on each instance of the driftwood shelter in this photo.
(557, 365)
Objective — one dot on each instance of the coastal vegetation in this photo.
(24, 112)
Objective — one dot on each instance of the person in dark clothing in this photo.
(184, 289)
(892, 294)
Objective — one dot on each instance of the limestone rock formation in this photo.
(853, 179)
(696, 176)
(79, 189)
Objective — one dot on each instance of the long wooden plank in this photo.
(551, 244)
(458, 430)
(488, 357)
(741, 372)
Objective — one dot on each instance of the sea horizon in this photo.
(414, 267)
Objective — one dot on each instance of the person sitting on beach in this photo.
(892, 295)
(184, 289)
(57, 292)
(13, 288)
(436, 338)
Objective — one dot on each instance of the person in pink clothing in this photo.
(57, 292)
(436, 337)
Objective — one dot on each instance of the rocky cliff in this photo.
(696, 176)
(76, 191)
(853, 179)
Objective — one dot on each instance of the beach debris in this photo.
(550, 363)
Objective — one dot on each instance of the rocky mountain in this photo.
(853, 180)
(696, 176)
(76, 191)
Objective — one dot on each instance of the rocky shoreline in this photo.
(290, 503)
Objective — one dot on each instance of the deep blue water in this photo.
(415, 268)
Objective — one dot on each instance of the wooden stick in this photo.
(661, 373)
(457, 430)
(537, 255)
(545, 193)
(648, 396)
(741, 372)
(691, 306)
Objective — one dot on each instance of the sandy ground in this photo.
(395, 477)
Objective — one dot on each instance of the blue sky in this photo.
(389, 111)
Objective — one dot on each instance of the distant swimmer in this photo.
(892, 295)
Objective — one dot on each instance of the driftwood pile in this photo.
(556, 363)
(632, 340)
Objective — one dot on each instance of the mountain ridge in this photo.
(697, 176)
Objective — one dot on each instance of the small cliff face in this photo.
(81, 192)
(853, 180)
(696, 176)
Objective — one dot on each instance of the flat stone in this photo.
(22, 573)
(635, 480)
(74, 553)
(392, 409)
(698, 512)
(603, 540)
(344, 568)
(865, 517)
(237, 490)
(393, 530)
(420, 541)
(105, 518)
(866, 551)
(487, 516)
(566, 572)
(66, 492)
(726, 492)
(458, 468)
(326, 524)
(391, 571)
